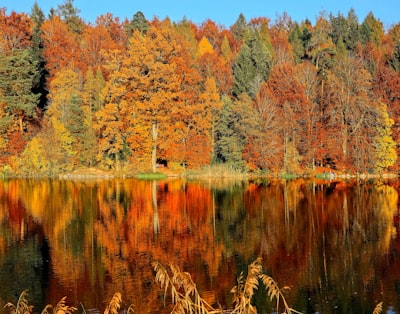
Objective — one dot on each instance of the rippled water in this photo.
(335, 244)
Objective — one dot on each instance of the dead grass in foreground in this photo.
(184, 295)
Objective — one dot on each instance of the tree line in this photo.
(274, 96)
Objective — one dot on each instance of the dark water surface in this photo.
(335, 244)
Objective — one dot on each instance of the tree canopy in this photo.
(276, 97)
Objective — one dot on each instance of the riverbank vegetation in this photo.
(268, 96)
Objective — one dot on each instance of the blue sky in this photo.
(222, 12)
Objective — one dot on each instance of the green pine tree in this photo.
(252, 66)
(18, 72)
(138, 22)
(39, 82)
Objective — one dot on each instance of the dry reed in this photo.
(114, 304)
(378, 308)
(22, 306)
(185, 296)
(60, 308)
(244, 291)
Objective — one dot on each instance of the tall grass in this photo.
(185, 298)
(184, 294)
(22, 306)
(218, 171)
(245, 289)
(60, 308)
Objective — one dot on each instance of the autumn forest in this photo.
(269, 95)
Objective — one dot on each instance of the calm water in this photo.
(335, 244)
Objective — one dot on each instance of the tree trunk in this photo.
(21, 125)
(154, 134)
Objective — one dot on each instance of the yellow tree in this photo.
(68, 117)
(205, 46)
(111, 120)
(212, 103)
(385, 146)
(154, 85)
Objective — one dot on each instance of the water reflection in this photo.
(334, 244)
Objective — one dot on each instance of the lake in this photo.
(336, 245)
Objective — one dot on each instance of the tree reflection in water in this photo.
(334, 243)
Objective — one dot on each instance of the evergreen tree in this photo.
(239, 28)
(295, 38)
(70, 15)
(252, 66)
(372, 30)
(236, 123)
(138, 22)
(353, 32)
(395, 59)
(229, 145)
(18, 72)
(244, 71)
(39, 83)
(345, 31)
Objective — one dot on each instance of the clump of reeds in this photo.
(115, 304)
(60, 308)
(244, 291)
(184, 294)
(186, 298)
(22, 306)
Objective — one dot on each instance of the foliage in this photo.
(252, 66)
(384, 144)
(18, 71)
(121, 94)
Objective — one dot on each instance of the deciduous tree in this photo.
(385, 154)
(154, 86)
(60, 47)
(15, 31)
(350, 108)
